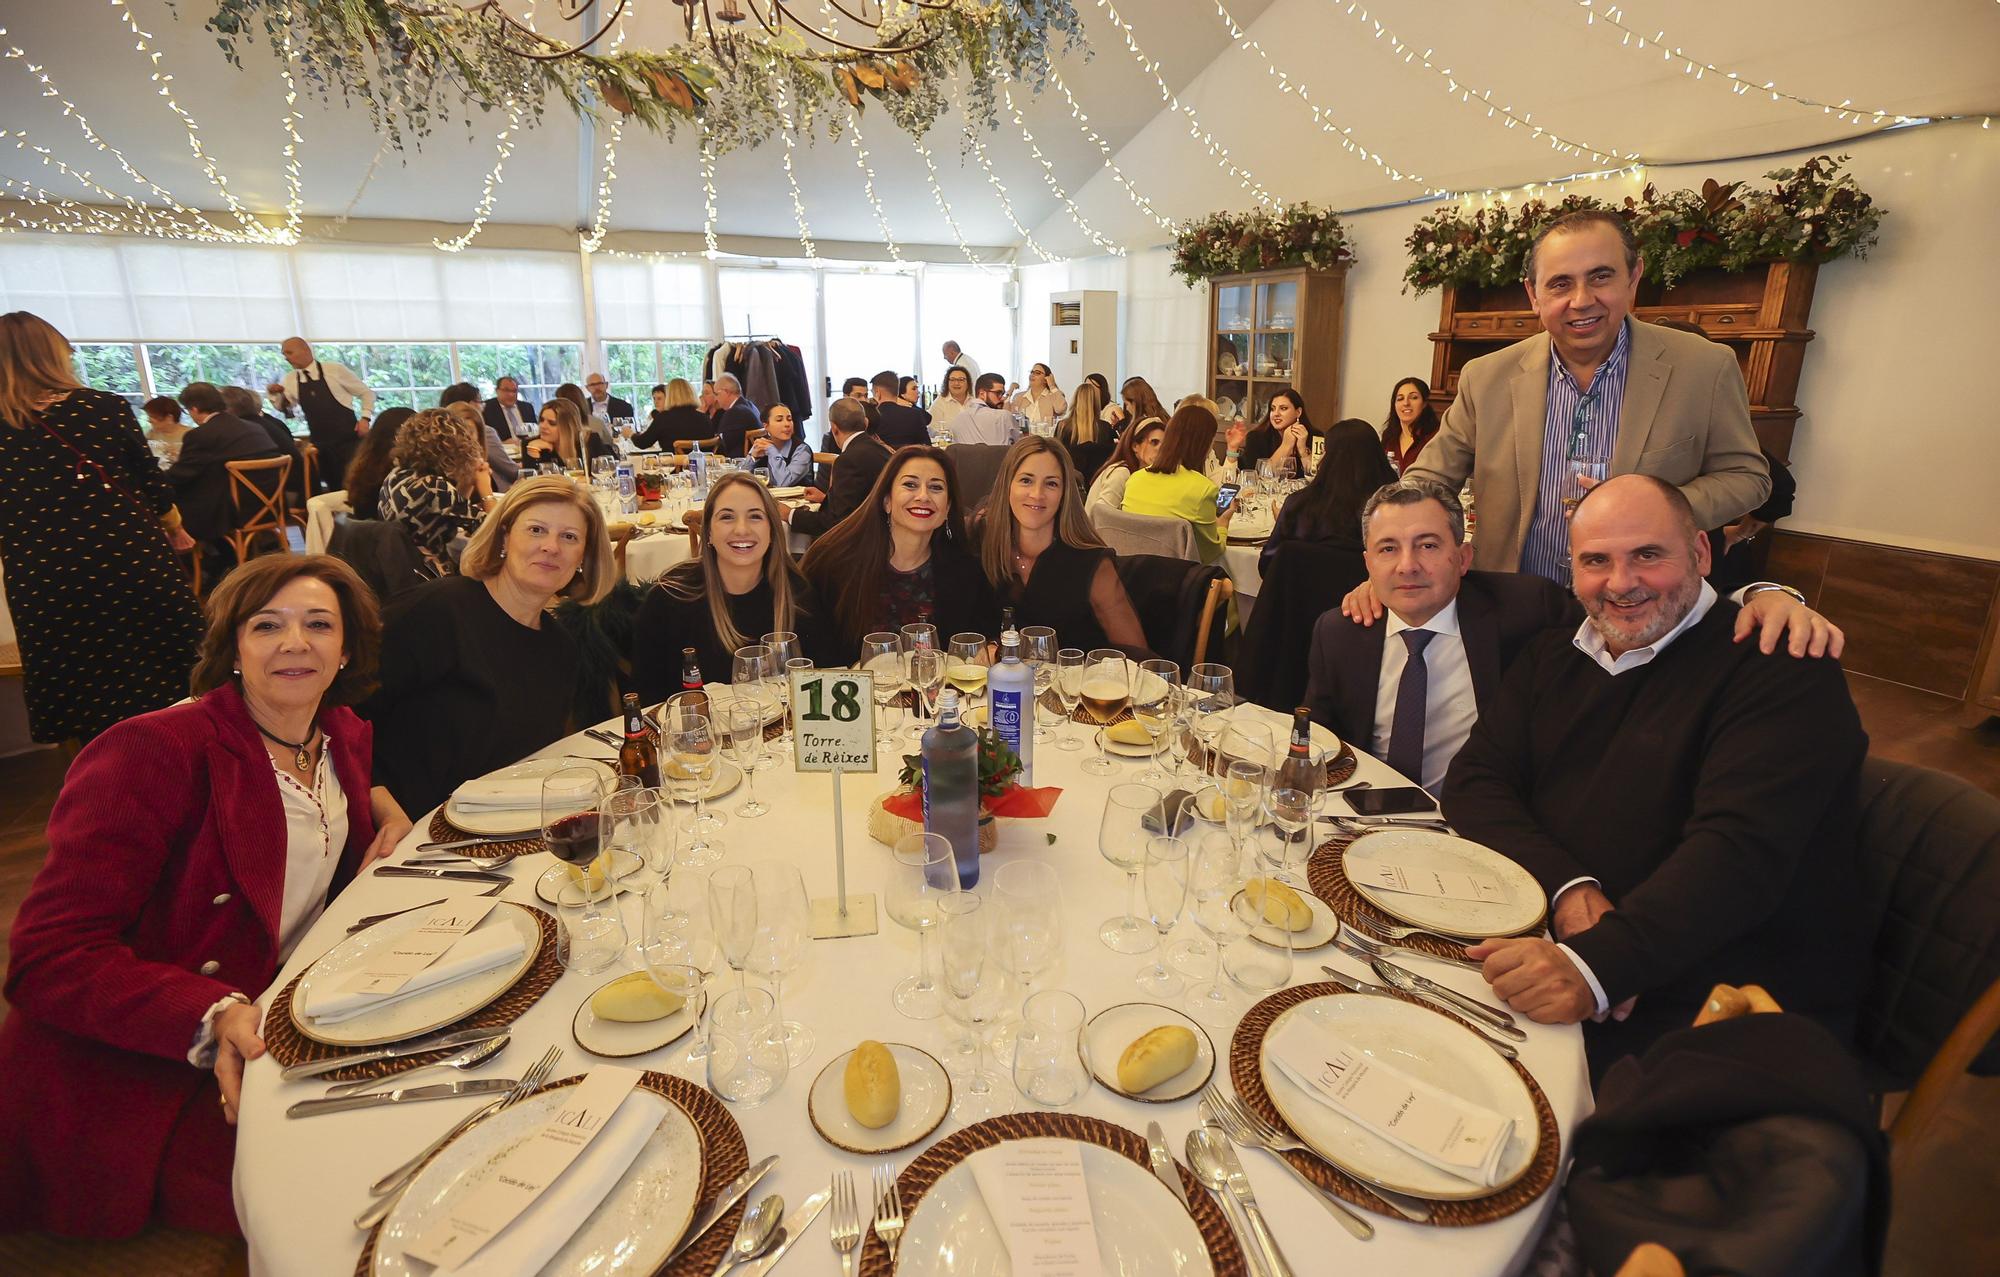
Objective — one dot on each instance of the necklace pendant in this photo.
(302, 760)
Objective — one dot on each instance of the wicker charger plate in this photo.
(288, 1046)
(442, 830)
(930, 1166)
(1339, 769)
(724, 1156)
(1249, 1083)
(1053, 704)
(1328, 879)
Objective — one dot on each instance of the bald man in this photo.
(1686, 801)
(327, 394)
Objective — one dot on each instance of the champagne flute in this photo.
(744, 721)
(924, 668)
(1038, 647)
(966, 669)
(924, 872)
(784, 924)
(1106, 692)
(732, 911)
(1164, 885)
(1069, 690)
(751, 672)
(1215, 876)
(1121, 838)
(690, 748)
(785, 649)
(1153, 708)
(882, 656)
(974, 984)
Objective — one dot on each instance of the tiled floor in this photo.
(1932, 1233)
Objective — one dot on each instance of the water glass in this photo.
(592, 934)
(1121, 838)
(639, 821)
(924, 873)
(746, 1047)
(1048, 1050)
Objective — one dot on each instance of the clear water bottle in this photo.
(628, 489)
(951, 786)
(1010, 696)
(699, 464)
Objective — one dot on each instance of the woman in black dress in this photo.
(108, 626)
(1045, 560)
(1328, 510)
(676, 418)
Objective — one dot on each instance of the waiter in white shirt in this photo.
(958, 358)
(326, 394)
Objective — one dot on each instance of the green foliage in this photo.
(999, 766)
(1232, 243)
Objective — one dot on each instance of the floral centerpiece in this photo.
(1001, 793)
(1812, 213)
(1232, 243)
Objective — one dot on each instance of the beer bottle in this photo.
(1296, 771)
(691, 685)
(637, 756)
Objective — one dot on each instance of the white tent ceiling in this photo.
(1538, 56)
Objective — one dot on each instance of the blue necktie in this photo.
(1406, 730)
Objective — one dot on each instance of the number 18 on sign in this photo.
(833, 731)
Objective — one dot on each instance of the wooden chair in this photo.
(825, 458)
(309, 454)
(752, 436)
(1220, 591)
(685, 446)
(266, 505)
(621, 536)
(692, 522)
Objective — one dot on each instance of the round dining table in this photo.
(300, 1182)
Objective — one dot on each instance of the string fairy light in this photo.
(707, 192)
(1049, 176)
(1216, 150)
(792, 178)
(504, 147)
(151, 223)
(1006, 204)
(868, 183)
(608, 172)
(294, 177)
(1478, 99)
(944, 207)
(1104, 148)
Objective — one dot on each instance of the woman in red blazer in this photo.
(189, 849)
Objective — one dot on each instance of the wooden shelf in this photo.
(1309, 345)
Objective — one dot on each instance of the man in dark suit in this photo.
(511, 416)
(735, 415)
(201, 483)
(898, 423)
(602, 402)
(863, 457)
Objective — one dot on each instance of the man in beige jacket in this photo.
(1595, 390)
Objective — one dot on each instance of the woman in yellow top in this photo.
(1174, 485)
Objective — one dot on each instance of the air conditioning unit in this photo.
(1010, 294)
(1083, 336)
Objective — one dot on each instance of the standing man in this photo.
(1593, 387)
(735, 416)
(959, 359)
(326, 393)
(511, 416)
(604, 405)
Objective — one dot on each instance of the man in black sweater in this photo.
(1686, 801)
(896, 422)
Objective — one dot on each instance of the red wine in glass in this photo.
(573, 838)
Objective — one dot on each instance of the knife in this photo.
(1246, 1197)
(402, 1095)
(1163, 1164)
(1386, 949)
(1498, 1020)
(1505, 1049)
(417, 1046)
(795, 1227)
(470, 842)
(737, 1190)
(457, 875)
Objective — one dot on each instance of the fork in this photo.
(1253, 1130)
(1373, 948)
(1395, 931)
(846, 1224)
(1235, 1124)
(389, 1189)
(888, 1209)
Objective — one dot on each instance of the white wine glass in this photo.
(1121, 838)
(924, 873)
(1153, 707)
(1163, 884)
(1069, 691)
(1038, 648)
(882, 657)
(1107, 690)
(966, 664)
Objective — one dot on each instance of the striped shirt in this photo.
(1572, 412)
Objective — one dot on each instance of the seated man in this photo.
(862, 458)
(1413, 712)
(200, 476)
(1687, 802)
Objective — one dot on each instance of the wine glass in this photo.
(1164, 885)
(1153, 708)
(743, 721)
(679, 932)
(570, 797)
(924, 872)
(784, 925)
(732, 911)
(966, 665)
(924, 668)
(882, 656)
(1069, 690)
(1038, 648)
(1295, 795)
(1121, 837)
(1211, 691)
(1215, 876)
(638, 821)
(1028, 900)
(752, 671)
(689, 983)
(1106, 692)
(974, 985)
(1244, 777)
(690, 747)
(785, 649)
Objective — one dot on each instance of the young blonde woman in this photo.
(1085, 433)
(564, 440)
(743, 586)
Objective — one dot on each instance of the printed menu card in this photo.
(393, 966)
(1444, 884)
(1035, 1190)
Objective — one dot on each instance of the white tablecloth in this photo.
(319, 519)
(1240, 561)
(299, 1183)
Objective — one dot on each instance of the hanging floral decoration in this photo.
(1812, 213)
(1231, 243)
(414, 63)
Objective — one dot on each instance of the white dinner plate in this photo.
(620, 1039)
(726, 777)
(926, 1100)
(1325, 924)
(491, 822)
(1120, 748)
(632, 1230)
(557, 876)
(791, 490)
(723, 695)
(1113, 1029)
(1142, 1229)
(1257, 529)
(1426, 1046)
(433, 1008)
(1522, 907)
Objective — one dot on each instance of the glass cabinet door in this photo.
(1278, 305)
(1274, 355)
(1232, 308)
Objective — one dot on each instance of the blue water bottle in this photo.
(951, 786)
(1010, 694)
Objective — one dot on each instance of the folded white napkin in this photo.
(499, 793)
(537, 1233)
(1475, 1138)
(491, 944)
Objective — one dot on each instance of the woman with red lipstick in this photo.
(474, 674)
(190, 851)
(743, 586)
(902, 557)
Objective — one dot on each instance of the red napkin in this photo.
(1018, 802)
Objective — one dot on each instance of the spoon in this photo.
(757, 1233)
(1213, 1170)
(470, 1058)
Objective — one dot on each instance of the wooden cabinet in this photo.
(1271, 329)
(1760, 314)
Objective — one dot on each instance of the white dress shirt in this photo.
(945, 409)
(981, 423)
(340, 379)
(1450, 708)
(511, 414)
(968, 363)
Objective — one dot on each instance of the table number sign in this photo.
(833, 730)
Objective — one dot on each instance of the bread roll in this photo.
(634, 999)
(874, 1090)
(1128, 733)
(593, 879)
(1280, 905)
(1155, 1056)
